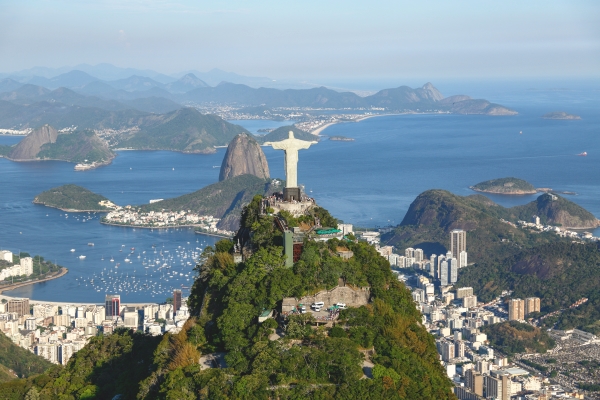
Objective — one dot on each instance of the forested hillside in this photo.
(21, 362)
(559, 273)
(71, 198)
(300, 361)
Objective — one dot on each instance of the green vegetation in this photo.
(77, 147)
(41, 267)
(185, 130)
(592, 387)
(559, 273)
(529, 262)
(105, 367)
(505, 186)
(21, 361)
(71, 198)
(326, 219)
(307, 362)
(535, 365)
(222, 199)
(282, 133)
(435, 213)
(554, 210)
(514, 337)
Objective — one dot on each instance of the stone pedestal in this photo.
(292, 194)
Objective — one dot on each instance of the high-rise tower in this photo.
(113, 305)
(458, 242)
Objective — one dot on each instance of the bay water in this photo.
(369, 182)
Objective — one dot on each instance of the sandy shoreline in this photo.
(318, 131)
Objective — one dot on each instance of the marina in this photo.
(544, 157)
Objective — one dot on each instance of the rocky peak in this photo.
(244, 156)
(429, 92)
(30, 146)
(193, 80)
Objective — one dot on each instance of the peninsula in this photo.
(510, 186)
(560, 115)
(73, 198)
(83, 147)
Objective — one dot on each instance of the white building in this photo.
(6, 256)
(462, 259)
(26, 266)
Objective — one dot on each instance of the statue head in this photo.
(291, 135)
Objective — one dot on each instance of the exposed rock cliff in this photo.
(244, 156)
(30, 146)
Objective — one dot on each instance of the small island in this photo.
(341, 139)
(73, 198)
(560, 115)
(510, 186)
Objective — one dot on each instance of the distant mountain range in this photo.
(108, 72)
(76, 99)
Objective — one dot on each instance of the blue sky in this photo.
(309, 39)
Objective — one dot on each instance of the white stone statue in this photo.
(290, 146)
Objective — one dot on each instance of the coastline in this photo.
(56, 159)
(150, 227)
(168, 227)
(213, 234)
(70, 210)
(520, 193)
(63, 272)
(320, 129)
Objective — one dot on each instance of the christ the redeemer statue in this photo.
(290, 146)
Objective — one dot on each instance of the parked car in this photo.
(341, 306)
(302, 310)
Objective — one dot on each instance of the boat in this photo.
(82, 257)
(90, 244)
(582, 154)
(72, 250)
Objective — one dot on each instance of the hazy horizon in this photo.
(334, 42)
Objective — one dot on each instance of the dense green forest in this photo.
(434, 213)
(72, 198)
(512, 337)
(302, 361)
(559, 273)
(22, 362)
(77, 147)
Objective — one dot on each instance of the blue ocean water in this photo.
(368, 182)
